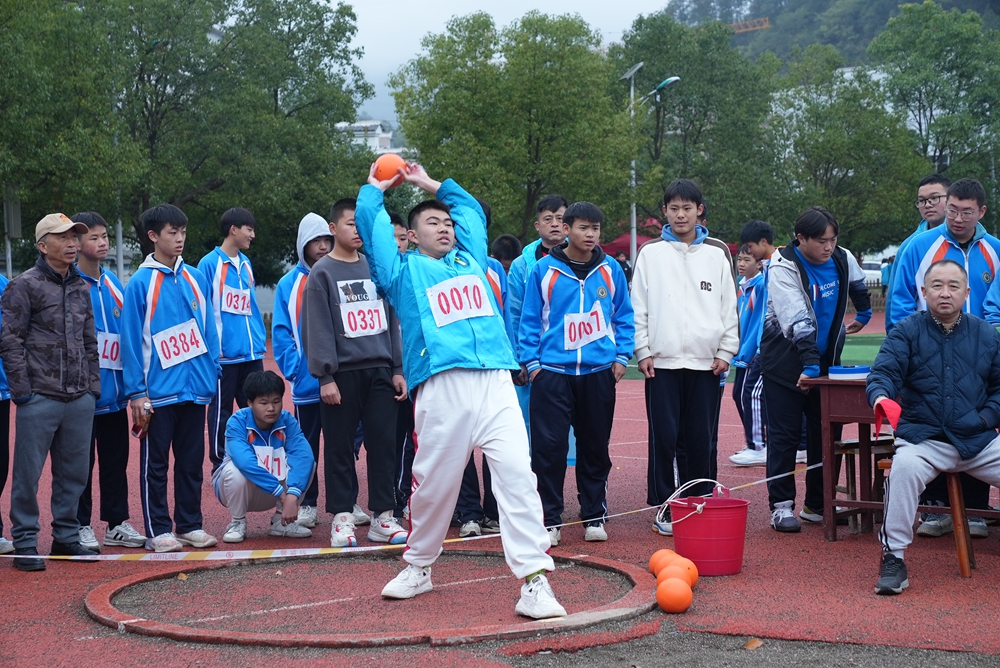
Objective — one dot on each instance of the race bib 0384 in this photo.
(179, 343)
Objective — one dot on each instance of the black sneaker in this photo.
(28, 563)
(892, 578)
(73, 550)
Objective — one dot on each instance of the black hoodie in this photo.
(581, 269)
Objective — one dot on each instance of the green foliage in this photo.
(708, 126)
(845, 150)
(207, 104)
(516, 114)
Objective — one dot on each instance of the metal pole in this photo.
(6, 238)
(119, 253)
(632, 232)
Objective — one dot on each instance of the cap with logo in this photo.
(57, 223)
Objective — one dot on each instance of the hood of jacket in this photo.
(701, 233)
(312, 226)
(596, 257)
(153, 263)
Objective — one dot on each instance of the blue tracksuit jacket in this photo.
(232, 290)
(751, 302)
(284, 455)
(108, 298)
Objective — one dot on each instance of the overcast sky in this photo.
(390, 30)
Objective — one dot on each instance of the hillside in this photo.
(849, 25)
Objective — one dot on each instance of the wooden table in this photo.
(844, 402)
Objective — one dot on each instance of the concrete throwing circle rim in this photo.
(637, 601)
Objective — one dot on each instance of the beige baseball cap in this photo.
(57, 223)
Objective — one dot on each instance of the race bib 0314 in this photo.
(459, 298)
(235, 301)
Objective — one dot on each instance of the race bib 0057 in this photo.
(179, 343)
(579, 329)
(109, 350)
(459, 298)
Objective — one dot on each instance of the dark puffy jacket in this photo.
(48, 342)
(945, 384)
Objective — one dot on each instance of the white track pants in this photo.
(238, 494)
(454, 412)
(913, 467)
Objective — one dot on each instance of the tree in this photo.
(517, 114)
(708, 126)
(844, 149)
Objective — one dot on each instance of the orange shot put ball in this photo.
(387, 166)
(689, 566)
(674, 595)
(660, 559)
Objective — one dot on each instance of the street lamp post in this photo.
(630, 75)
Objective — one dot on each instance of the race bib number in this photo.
(271, 459)
(235, 301)
(363, 318)
(579, 329)
(179, 344)
(109, 347)
(459, 298)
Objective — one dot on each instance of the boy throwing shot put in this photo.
(576, 338)
(458, 357)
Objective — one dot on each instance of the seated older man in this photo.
(944, 367)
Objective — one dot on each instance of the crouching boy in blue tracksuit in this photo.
(269, 463)
(459, 359)
(170, 356)
(576, 337)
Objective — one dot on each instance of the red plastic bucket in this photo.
(710, 532)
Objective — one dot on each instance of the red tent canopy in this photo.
(612, 248)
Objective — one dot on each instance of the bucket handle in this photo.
(718, 491)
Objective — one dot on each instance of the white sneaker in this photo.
(308, 516)
(342, 534)
(6, 547)
(291, 530)
(124, 535)
(165, 542)
(595, 532)
(801, 457)
(88, 539)
(411, 581)
(236, 532)
(361, 518)
(386, 529)
(490, 526)
(538, 601)
(555, 535)
(749, 457)
(470, 528)
(197, 538)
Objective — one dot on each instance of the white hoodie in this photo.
(684, 299)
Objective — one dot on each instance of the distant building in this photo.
(375, 134)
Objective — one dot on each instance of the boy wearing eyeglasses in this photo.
(962, 239)
(932, 191)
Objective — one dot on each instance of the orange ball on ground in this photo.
(660, 559)
(673, 571)
(674, 595)
(387, 166)
(689, 566)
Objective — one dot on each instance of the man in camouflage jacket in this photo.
(49, 349)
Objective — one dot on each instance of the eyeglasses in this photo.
(932, 201)
(967, 216)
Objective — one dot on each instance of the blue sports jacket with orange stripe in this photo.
(159, 298)
(254, 455)
(552, 293)
(241, 337)
(286, 336)
(108, 298)
(981, 261)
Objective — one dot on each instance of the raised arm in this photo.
(375, 230)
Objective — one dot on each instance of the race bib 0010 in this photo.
(109, 350)
(579, 329)
(179, 343)
(235, 301)
(459, 298)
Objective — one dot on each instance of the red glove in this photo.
(886, 409)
